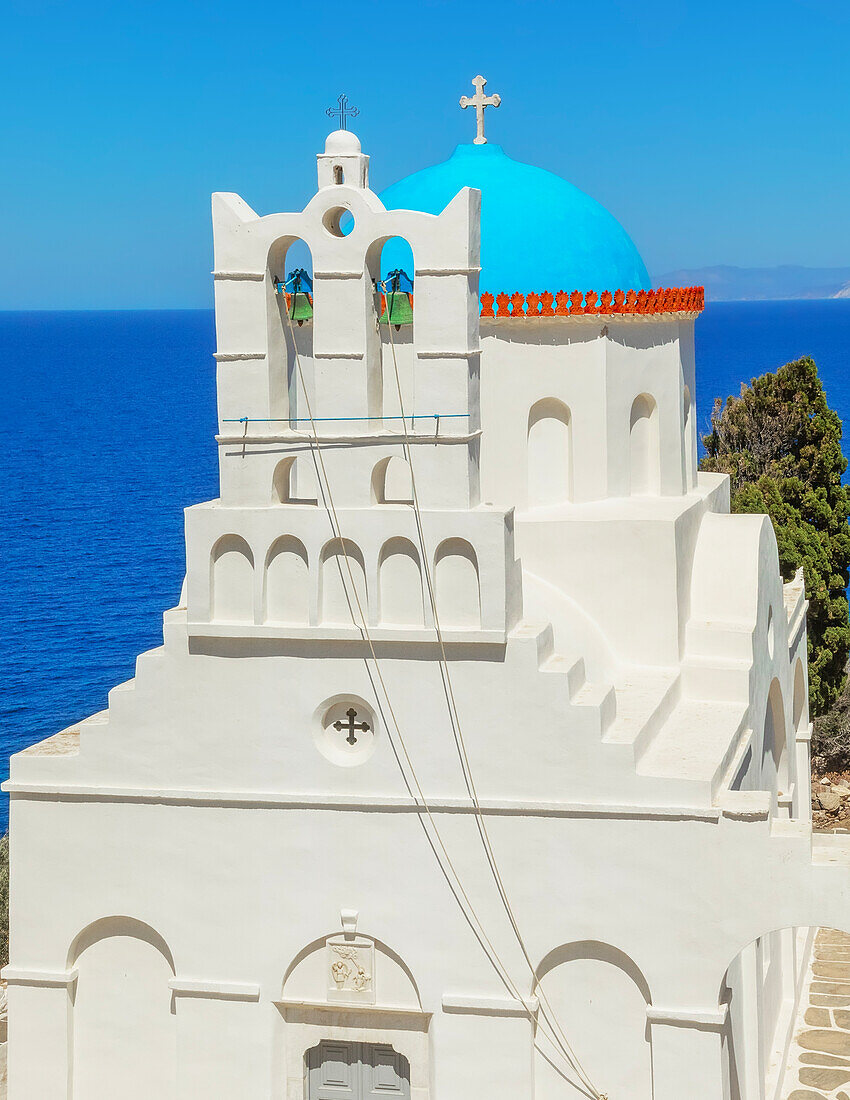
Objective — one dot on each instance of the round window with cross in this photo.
(345, 730)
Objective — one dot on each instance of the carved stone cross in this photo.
(479, 101)
(351, 726)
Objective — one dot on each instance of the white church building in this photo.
(474, 762)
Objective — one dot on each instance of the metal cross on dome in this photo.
(343, 110)
(479, 101)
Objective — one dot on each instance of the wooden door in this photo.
(355, 1071)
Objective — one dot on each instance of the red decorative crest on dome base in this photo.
(689, 299)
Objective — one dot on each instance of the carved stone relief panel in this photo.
(351, 969)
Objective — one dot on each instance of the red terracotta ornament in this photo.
(688, 299)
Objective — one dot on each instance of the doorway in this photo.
(355, 1071)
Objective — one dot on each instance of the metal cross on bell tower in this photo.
(479, 101)
(343, 110)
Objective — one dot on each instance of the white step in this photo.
(644, 703)
(696, 743)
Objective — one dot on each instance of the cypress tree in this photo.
(780, 443)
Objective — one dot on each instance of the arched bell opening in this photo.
(390, 265)
(289, 308)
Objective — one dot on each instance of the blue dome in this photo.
(538, 232)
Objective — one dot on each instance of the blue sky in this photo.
(716, 132)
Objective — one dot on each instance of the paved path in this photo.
(820, 1058)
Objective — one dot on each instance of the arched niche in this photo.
(549, 454)
(287, 587)
(801, 699)
(232, 581)
(401, 584)
(294, 481)
(599, 997)
(289, 343)
(392, 482)
(774, 755)
(124, 1027)
(457, 585)
(644, 451)
(342, 592)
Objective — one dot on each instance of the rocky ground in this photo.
(831, 802)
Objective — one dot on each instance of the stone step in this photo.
(644, 703)
(696, 743)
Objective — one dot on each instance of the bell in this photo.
(398, 300)
(298, 300)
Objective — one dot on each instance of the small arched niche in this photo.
(401, 584)
(294, 481)
(774, 766)
(232, 581)
(644, 452)
(801, 699)
(599, 997)
(457, 585)
(342, 593)
(392, 482)
(550, 454)
(124, 1028)
(689, 442)
(287, 582)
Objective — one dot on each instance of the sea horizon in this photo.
(112, 417)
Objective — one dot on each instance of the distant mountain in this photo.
(738, 284)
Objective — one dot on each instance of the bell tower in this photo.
(326, 423)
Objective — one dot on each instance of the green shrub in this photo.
(780, 443)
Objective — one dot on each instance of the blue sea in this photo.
(110, 419)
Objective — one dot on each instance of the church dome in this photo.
(538, 232)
